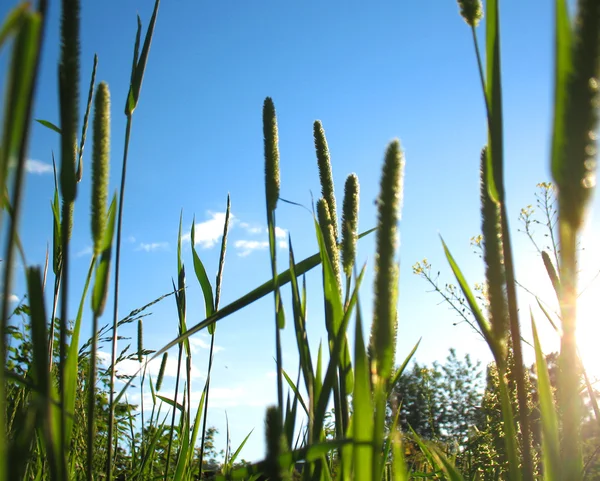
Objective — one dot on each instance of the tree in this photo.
(440, 402)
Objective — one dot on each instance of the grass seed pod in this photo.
(140, 340)
(494, 260)
(471, 11)
(100, 164)
(350, 223)
(161, 372)
(271, 154)
(325, 174)
(326, 224)
(386, 270)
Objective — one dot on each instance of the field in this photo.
(80, 400)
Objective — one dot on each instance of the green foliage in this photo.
(429, 422)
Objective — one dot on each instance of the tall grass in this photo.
(64, 426)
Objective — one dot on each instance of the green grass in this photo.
(61, 418)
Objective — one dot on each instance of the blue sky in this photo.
(370, 71)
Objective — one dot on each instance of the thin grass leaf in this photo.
(85, 120)
(239, 449)
(550, 433)
(495, 162)
(70, 371)
(171, 403)
(13, 22)
(400, 370)
(140, 66)
(481, 321)
(201, 275)
(247, 299)
(197, 420)
(100, 291)
(300, 326)
(363, 407)
(295, 390)
(41, 372)
(49, 125)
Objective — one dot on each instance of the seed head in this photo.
(386, 270)
(140, 340)
(100, 164)
(161, 372)
(326, 224)
(350, 223)
(471, 11)
(271, 154)
(325, 175)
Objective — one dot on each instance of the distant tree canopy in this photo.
(440, 402)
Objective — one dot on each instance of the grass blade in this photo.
(201, 275)
(362, 420)
(550, 437)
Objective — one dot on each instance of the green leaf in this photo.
(247, 299)
(170, 402)
(300, 324)
(138, 76)
(400, 370)
(102, 272)
(13, 21)
(85, 120)
(71, 363)
(481, 321)
(550, 434)
(237, 451)
(197, 420)
(201, 275)
(494, 99)
(562, 71)
(363, 407)
(294, 388)
(49, 125)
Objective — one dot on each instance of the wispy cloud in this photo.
(86, 251)
(38, 167)
(210, 231)
(153, 246)
(130, 367)
(197, 343)
(246, 247)
(250, 229)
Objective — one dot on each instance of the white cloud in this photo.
(280, 233)
(153, 246)
(282, 244)
(207, 233)
(13, 298)
(37, 167)
(197, 343)
(131, 239)
(86, 251)
(130, 367)
(247, 246)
